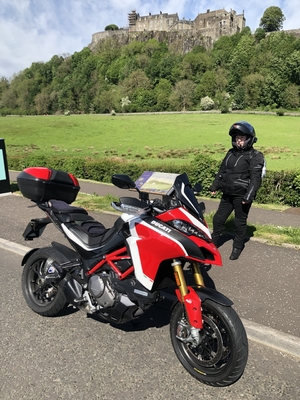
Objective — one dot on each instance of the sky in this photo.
(36, 30)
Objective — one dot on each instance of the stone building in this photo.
(212, 23)
(205, 29)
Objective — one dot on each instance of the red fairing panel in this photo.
(182, 214)
(217, 259)
(150, 251)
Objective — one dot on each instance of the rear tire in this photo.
(43, 298)
(221, 356)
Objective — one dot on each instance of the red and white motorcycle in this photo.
(118, 273)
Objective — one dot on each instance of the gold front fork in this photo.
(180, 279)
(197, 275)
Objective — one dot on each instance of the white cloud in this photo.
(36, 30)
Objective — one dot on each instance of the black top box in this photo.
(43, 184)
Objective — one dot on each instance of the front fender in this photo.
(195, 297)
(206, 293)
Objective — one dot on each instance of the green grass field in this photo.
(164, 137)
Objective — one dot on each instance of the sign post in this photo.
(4, 175)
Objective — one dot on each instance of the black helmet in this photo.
(243, 128)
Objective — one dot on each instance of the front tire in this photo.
(221, 356)
(43, 298)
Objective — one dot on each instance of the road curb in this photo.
(258, 333)
(267, 336)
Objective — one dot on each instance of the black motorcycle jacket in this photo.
(240, 174)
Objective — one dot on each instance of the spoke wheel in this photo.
(43, 298)
(220, 357)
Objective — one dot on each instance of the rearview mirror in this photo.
(198, 187)
(123, 181)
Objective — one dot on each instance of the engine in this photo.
(100, 288)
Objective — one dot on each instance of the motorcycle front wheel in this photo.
(220, 356)
(46, 299)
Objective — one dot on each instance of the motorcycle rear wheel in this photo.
(221, 357)
(43, 298)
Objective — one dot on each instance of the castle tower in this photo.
(132, 17)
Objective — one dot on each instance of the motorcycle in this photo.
(154, 247)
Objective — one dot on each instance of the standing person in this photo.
(239, 178)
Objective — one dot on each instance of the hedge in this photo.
(277, 187)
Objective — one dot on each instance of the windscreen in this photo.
(185, 194)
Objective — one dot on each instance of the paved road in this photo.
(76, 357)
(263, 284)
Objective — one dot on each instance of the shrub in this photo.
(207, 103)
(277, 187)
(224, 108)
(280, 112)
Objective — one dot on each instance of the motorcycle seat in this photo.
(90, 232)
(82, 225)
(61, 207)
(66, 213)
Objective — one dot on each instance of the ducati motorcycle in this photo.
(155, 247)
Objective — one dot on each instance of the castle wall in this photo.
(98, 36)
(295, 32)
(205, 29)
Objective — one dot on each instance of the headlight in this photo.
(189, 229)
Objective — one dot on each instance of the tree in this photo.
(136, 80)
(291, 97)
(241, 58)
(259, 34)
(162, 91)
(272, 19)
(207, 85)
(182, 96)
(293, 67)
(108, 100)
(194, 65)
(111, 27)
(42, 103)
(222, 50)
(253, 85)
(4, 85)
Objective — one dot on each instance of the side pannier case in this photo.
(43, 184)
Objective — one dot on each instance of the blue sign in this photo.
(4, 176)
(2, 166)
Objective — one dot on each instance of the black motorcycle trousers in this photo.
(241, 211)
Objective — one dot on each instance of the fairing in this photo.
(185, 194)
(152, 241)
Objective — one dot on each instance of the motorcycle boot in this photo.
(235, 253)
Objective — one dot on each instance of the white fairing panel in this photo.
(161, 240)
(138, 270)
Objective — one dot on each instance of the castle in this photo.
(210, 25)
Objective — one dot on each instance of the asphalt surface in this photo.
(76, 357)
